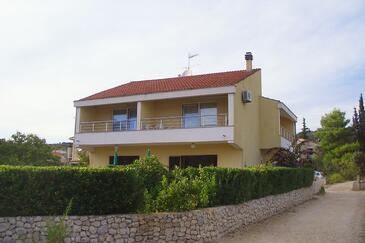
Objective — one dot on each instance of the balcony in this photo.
(287, 137)
(156, 130)
(155, 123)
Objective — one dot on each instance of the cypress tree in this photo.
(305, 130)
(361, 125)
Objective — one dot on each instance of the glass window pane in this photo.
(119, 120)
(191, 116)
(208, 114)
(132, 119)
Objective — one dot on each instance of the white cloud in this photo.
(54, 52)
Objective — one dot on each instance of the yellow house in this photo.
(218, 119)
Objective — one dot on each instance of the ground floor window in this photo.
(124, 160)
(192, 161)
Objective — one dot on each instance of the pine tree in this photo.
(305, 130)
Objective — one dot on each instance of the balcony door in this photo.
(191, 116)
(125, 119)
(208, 113)
(199, 115)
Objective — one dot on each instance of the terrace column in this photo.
(77, 120)
(139, 110)
(230, 110)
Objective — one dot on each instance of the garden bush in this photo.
(193, 188)
(27, 190)
(335, 178)
(151, 171)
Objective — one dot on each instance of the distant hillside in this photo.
(60, 146)
(311, 135)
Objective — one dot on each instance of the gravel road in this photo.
(338, 216)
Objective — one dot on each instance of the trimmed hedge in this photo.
(142, 187)
(26, 190)
(224, 186)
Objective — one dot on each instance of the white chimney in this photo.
(248, 58)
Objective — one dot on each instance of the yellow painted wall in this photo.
(287, 124)
(87, 114)
(247, 119)
(173, 107)
(269, 123)
(102, 113)
(228, 156)
(158, 108)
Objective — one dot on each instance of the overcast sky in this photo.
(312, 53)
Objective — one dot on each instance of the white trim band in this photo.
(156, 96)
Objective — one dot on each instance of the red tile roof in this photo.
(202, 81)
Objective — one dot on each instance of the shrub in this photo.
(151, 172)
(179, 195)
(212, 186)
(58, 231)
(184, 189)
(322, 191)
(47, 190)
(335, 178)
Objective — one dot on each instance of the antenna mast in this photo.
(190, 56)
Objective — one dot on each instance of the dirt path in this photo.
(338, 216)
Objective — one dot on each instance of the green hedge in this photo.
(144, 186)
(26, 190)
(224, 186)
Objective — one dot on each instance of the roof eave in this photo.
(156, 96)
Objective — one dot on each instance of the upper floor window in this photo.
(199, 115)
(208, 114)
(125, 119)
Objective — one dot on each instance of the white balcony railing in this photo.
(286, 134)
(155, 123)
(108, 126)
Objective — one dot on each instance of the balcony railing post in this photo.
(106, 126)
(93, 126)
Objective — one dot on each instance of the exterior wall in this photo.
(102, 113)
(228, 156)
(157, 108)
(269, 123)
(247, 120)
(173, 107)
(87, 114)
(287, 124)
(205, 225)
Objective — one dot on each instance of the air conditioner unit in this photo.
(246, 96)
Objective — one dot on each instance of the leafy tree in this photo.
(83, 158)
(22, 149)
(338, 144)
(334, 131)
(305, 130)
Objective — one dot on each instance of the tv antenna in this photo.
(190, 56)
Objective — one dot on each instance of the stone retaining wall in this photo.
(203, 225)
